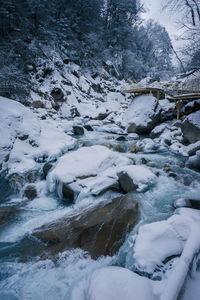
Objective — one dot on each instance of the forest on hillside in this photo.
(94, 34)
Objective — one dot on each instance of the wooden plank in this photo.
(147, 91)
(188, 92)
(143, 90)
(187, 97)
(158, 95)
(178, 109)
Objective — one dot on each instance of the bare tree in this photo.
(189, 10)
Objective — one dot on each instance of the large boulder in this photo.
(100, 229)
(86, 171)
(191, 127)
(142, 115)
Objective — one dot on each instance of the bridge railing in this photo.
(178, 95)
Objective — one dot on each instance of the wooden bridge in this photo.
(181, 95)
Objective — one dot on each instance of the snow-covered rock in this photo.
(194, 161)
(132, 136)
(50, 144)
(142, 114)
(182, 202)
(192, 148)
(17, 121)
(149, 146)
(157, 131)
(192, 107)
(112, 128)
(86, 170)
(191, 127)
(113, 283)
(135, 177)
(168, 109)
(161, 240)
(53, 141)
(90, 109)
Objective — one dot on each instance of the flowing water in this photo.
(23, 276)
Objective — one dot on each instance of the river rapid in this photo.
(25, 276)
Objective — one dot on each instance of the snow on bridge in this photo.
(178, 97)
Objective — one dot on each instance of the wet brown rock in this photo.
(144, 160)
(101, 116)
(133, 160)
(17, 182)
(151, 164)
(121, 138)
(88, 128)
(109, 137)
(46, 168)
(78, 130)
(132, 149)
(119, 148)
(100, 229)
(23, 137)
(57, 94)
(69, 192)
(126, 182)
(109, 146)
(32, 176)
(5, 213)
(30, 192)
(38, 104)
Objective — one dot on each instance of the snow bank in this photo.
(113, 283)
(27, 139)
(16, 121)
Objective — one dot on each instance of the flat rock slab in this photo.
(100, 229)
